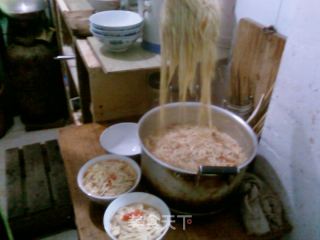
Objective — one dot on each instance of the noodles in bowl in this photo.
(109, 178)
(137, 216)
(105, 177)
(137, 221)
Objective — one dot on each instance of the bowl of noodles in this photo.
(137, 215)
(104, 178)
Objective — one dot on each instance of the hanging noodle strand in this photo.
(189, 34)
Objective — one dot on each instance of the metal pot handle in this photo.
(64, 57)
(214, 170)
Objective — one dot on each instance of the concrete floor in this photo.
(17, 137)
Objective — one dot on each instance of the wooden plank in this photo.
(78, 22)
(58, 180)
(87, 54)
(37, 188)
(71, 66)
(79, 144)
(119, 95)
(255, 61)
(62, 6)
(122, 91)
(78, 5)
(105, 5)
(75, 14)
(85, 139)
(84, 86)
(68, 51)
(14, 184)
(135, 58)
(59, 7)
(88, 65)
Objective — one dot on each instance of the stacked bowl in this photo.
(117, 29)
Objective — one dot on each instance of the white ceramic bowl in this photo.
(117, 30)
(122, 139)
(137, 197)
(106, 157)
(117, 44)
(115, 33)
(116, 20)
(131, 38)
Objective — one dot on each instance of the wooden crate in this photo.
(118, 82)
(37, 190)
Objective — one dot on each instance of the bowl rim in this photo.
(139, 20)
(198, 104)
(133, 124)
(108, 157)
(114, 33)
(141, 195)
(132, 37)
(117, 30)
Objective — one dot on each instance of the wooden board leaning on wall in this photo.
(255, 63)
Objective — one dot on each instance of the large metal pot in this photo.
(187, 191)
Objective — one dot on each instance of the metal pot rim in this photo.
(197, 104)
(21, 8)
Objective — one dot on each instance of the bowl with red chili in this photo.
(104, 178)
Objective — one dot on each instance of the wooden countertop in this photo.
(136, 58)
(81, 143)
(77, 12)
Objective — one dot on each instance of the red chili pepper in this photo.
(113, 176)
(130, 215)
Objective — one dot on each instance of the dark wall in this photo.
(5, 113)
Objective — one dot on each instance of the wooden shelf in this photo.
(134, 59)
(71, 21)
(118, 82)
(110, 85)
(78, 5)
